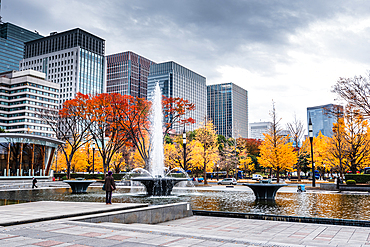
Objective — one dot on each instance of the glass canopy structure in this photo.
(25, 155)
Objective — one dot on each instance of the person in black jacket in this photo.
(110, 185)
(34, 181)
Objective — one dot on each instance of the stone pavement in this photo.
(48, 210)
(191, 231)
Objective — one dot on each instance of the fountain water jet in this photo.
(157, 184)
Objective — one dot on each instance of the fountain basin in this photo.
(265, 191)
(79, 186)
(158, 186)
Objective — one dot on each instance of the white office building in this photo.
(258, 129)
(21, 94)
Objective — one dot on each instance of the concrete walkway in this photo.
(49, 210)
(192, 231)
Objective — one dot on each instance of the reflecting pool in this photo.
(310, 204)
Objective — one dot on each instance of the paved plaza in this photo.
(48, 210)
(190, 231)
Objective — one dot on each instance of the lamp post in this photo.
(236, 162)
(217, 170)
(93, 147)
(310, 134)
(184, 143)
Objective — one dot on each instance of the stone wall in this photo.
(148, 215)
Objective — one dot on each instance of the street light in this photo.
(184, 143)
(310, 134)
(217, 170)
(93, 147)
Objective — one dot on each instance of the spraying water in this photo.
(156, 154)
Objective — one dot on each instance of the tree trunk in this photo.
(299, 172)
(205, 173)
(69, 170)
(278, 175)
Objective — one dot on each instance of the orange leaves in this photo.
(174, 110)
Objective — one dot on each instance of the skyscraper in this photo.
(74, 59)
(177, 81)
(127, 74)
(12, 39)
(322, 119)
(227, 107)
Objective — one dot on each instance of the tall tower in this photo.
(322, 119)
(74, 59)
(177, 81)
(227, 106)
(12, 39)
(127, 74)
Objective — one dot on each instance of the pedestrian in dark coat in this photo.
(34, 181)
(110, 185)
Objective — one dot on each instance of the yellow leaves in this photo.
(205, 147)
(138, 161)
(246, 164)
(82, 160)
(278, 155)
(172, 155)
(202, 158)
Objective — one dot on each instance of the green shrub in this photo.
(351, 182)
(359, 178)
(64, 178)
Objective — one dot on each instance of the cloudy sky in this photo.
(290, 52)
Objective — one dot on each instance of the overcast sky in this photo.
(291, 52)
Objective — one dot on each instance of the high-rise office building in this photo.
(127, 74)
(322, 118)
(74, 59)
(22, 94)
(12, 39)
(258, 129)
(177, 81)
(227, 107)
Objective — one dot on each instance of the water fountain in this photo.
(155, 182)
(79, 185)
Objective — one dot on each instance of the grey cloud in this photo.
(199, 34)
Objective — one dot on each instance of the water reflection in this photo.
(328, 205)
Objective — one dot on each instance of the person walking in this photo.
(110, 185)
(34, 181)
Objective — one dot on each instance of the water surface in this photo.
(310, 204)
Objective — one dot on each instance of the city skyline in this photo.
(290, 52)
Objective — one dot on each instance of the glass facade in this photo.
(178, 81)
(91, 72)
(74, 59)
(24, 155)
(322, 120)
(227, 107)
(12, 40)
(127, 74)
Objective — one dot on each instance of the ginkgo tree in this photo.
(205, 148)
(276, 152)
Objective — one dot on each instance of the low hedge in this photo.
(351, 182)
(89, 176)
(359, 178)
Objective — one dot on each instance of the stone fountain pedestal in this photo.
(79, 186)
(265, 191)
(161, 186)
